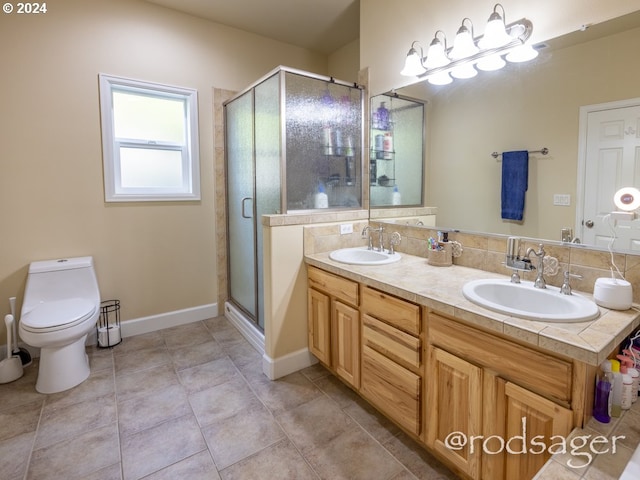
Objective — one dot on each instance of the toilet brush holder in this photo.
(10, 367)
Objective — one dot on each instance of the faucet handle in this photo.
(566, 287)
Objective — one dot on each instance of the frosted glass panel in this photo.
(241, 239)
(323, 142)
(142, 168)
(268, 160)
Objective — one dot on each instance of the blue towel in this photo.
(515, 181)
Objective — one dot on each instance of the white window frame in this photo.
(114, 191)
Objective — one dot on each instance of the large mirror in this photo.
(527, 106)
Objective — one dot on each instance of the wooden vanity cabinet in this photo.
(494, 390)
(392, 366)
(334, 323)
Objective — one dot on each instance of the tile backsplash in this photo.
(487, 252)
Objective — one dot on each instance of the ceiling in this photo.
(320, 25)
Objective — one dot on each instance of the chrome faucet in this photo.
(366, 233)
(539, 283)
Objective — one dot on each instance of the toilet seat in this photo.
(57, 315)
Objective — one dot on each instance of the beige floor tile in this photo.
(244, 434)
(112, 472)
(315, 372)
(373, 422)
(14, 453)
(223, 401)
(139, 342)
(145, 412)
(404, 475)
(315, 423)
(99, 358)
(208, 375)
(196, 467)
(76, 458)
(18, 420)
(21, 391)
(186, 335)
(284, 393)
(64, 423)
(416, 459)
(145, 382)
(98, 384)
(160, 446)
(197, 354)
(141, 360)
(335, 461)
(279, 461)
(337, 390)
(242, 353)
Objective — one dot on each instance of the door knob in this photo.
(588, 224)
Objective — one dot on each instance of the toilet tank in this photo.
(60, 279)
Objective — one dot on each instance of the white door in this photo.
(611, 154)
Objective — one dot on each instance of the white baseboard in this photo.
(152, 323)
(281, 366)
(254, 336)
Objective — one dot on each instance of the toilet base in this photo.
(62, 368)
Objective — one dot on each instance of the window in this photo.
(149, 141)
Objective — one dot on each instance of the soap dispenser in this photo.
(626, 364)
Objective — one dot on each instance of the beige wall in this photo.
(388, 28)
(154, 257)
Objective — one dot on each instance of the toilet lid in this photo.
(58, 314)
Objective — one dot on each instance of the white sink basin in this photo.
(525, 301)
(363, 256)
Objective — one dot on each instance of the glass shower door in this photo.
(241, 203)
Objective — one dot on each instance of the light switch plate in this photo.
(562, 199)
(346, 228)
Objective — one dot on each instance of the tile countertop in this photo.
(440, 288)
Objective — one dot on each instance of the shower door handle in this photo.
(244, 215)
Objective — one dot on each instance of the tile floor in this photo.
(191, 402)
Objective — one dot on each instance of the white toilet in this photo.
(61, 306)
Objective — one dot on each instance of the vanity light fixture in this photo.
(470, 54)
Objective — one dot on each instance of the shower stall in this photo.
(293, 143)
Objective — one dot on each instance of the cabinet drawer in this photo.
(391, 342)
(534, 370)
(397, 312)
(391, 388)
(335, 286)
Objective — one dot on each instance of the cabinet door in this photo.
(540, 419)
(345, 342)
(319, 325)
(454, 404)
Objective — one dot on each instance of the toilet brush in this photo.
(23, 353)
(10, 367)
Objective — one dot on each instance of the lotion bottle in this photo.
(616, 389)
(635, 376)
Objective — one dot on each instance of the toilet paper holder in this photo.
(108, 325)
